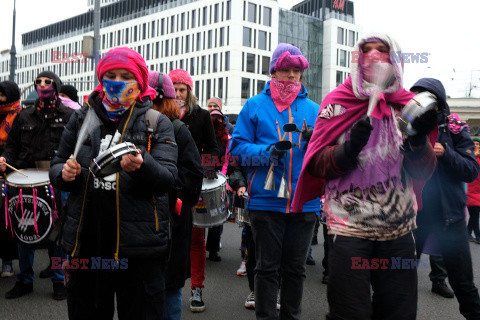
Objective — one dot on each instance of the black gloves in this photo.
(307, 134)
(359, 136)
(210, 172)
(426, 122)
(276, 155)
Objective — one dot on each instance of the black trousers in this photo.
(394, 288)
(251, 261)
(473, 223)
(139, 291)
(455, 249)
(325, 250)
(213, 238)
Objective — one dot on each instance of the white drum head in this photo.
(209, 184)
(35, 178)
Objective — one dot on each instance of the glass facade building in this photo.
(306, 33)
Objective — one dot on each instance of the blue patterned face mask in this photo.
(119, 96)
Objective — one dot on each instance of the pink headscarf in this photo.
(126, 58)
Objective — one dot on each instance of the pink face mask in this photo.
(376, 66)
(284, 92)
(182, 106)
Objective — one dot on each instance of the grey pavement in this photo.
(225, 292)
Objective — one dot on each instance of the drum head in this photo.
(35, 178)
(209, 184)
(108, 162)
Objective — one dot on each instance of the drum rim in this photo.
(27, 185)
(98, 163)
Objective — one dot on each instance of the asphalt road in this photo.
(225, 292)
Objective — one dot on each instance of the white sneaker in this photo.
(242, 271)
(278, 302)
(7, 270)
(250, 302)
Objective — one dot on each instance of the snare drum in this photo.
(30, 207)
(108, 162)
(420, 104)
(211, 209)
(239, 205)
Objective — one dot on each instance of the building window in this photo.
(340, 35)
(247, 37)
(265, 65)
(260, 86)
(227, 61)
(342, 58)
(262, 40)
(205, 9)
(194, 16)
(229, 9)
(144, 31)
(267, 16)
(245, 88)
(222, 37)
(135, 33)
(351, 38)
(166, 48)
(192, 66)
(216, 13)
(199, 41)
(187, 43)
(207, 93)
(339, 78)
(220, 88)
(153, 29)
(177, 47)
(252, 12)
(215, 62)
(250, 62)
(182, 21)
(209, 39)
(204, 64)
(172, 24)
(162, 28)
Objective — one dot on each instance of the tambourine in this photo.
(108, 162)
(420, 104)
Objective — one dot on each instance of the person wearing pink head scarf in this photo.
(116, 228)
(367, 170)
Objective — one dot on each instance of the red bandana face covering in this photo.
(284, 92)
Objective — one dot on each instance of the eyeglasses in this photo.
(47, 81)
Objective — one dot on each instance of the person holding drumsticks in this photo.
(201, 127)
(118, 223)
(35, 136)
(282, 237)
(9, 109)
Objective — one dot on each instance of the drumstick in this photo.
(15, 169)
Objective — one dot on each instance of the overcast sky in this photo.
(447, 30)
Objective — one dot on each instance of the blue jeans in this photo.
(173, 304)
(281, 243)
(25, 261)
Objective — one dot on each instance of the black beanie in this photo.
(70, 91)
(57, 83)
(11, 90)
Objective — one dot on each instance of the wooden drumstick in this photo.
(14, 169)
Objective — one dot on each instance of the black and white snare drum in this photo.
(108, 162)
(30, 207)
(211, 209)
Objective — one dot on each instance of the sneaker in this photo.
(20, 289)
(213, 256)
(250, 302)
(278, 301)
(310, 260)
(442, 289)
(59, 291)
(196, 302)
(46, 273)
(242, 271)
(7, 269)
(325, 279)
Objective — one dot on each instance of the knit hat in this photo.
(216, 101)
(181, 76)
(285, 56)
(126, 58)
(168, 89)
(11, 90)
(70, 91)
(476, 139)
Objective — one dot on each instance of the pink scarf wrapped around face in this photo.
(310, 187)
(284, 92)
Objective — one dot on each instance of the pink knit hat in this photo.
(126, 58)
(167, 85)
(181, 76)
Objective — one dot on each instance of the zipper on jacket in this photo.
(157, 226)
(290, 120)
(81, 215)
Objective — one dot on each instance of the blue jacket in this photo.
(444, 197)
(258, 126)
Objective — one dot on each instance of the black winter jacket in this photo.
(35, 135)
(199, 123)
(143, 215)
(444, 196)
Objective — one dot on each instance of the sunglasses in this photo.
(47, 81)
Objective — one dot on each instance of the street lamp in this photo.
(13, 51)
